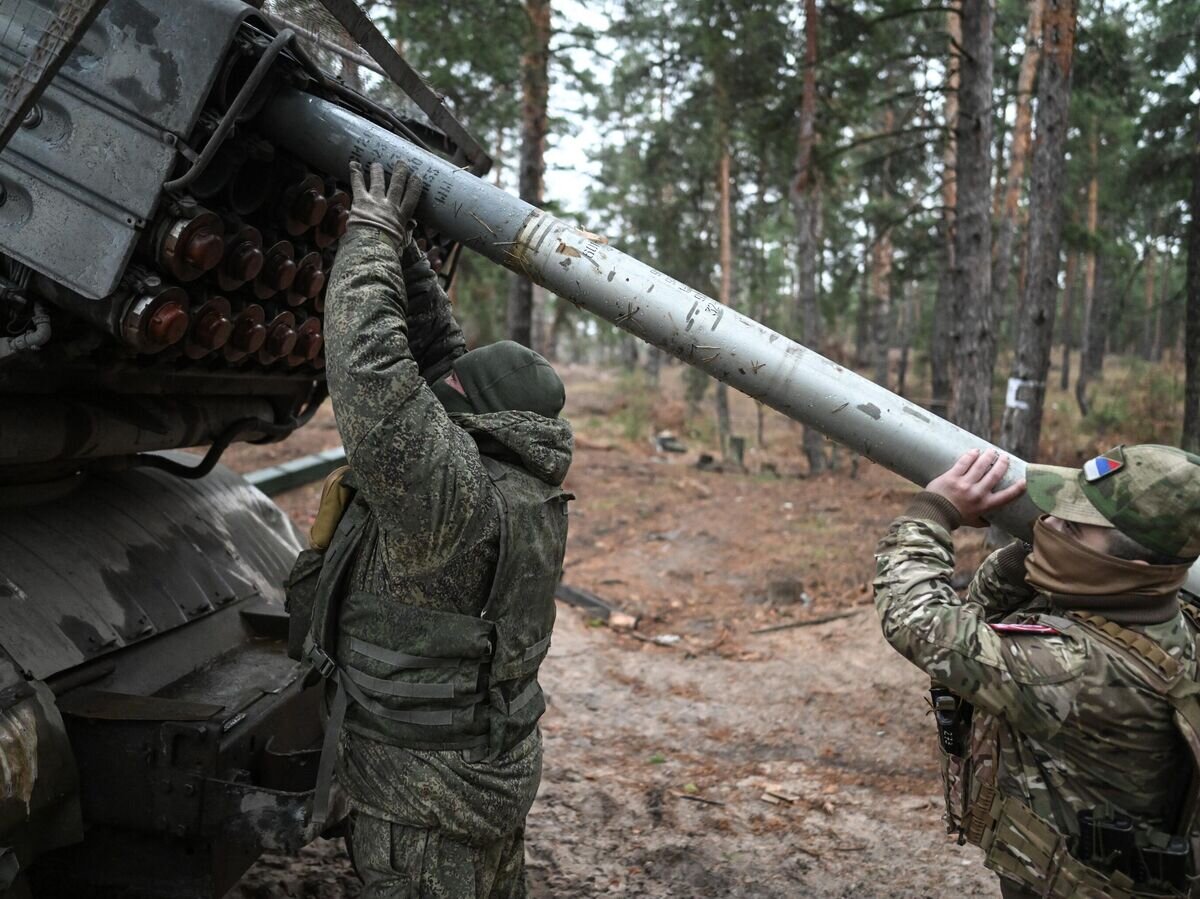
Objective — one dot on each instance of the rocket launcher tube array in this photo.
(697, 329)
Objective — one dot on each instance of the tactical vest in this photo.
(444, 680)
(1024, 847)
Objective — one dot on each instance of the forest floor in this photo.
(699, 754)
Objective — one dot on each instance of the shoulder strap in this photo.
(341, 553)
(318, 646)
(1165, 669)
(496, 474)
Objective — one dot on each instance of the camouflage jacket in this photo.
(433, 537)
(1072, 723)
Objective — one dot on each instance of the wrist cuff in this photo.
(1010, 562)
(369, 225)
(934, 507)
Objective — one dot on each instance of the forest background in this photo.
(991, 208)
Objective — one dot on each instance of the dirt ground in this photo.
(698, 755)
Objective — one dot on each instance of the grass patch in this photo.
(635, 414)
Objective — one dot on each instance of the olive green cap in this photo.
(1149, 493)
(503, 377)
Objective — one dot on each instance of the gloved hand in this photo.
(390, 212)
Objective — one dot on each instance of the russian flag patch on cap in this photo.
(1100, 467)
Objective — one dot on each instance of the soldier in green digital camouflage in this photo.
(1065, 683)
(458, 529)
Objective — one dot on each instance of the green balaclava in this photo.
(503, 377)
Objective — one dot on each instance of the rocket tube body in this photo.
(695, 328)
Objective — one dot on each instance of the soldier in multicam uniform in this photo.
(458, 529)
(1073, 772)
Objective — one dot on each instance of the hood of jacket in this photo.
(542, 446)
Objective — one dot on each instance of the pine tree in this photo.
(1022, 423)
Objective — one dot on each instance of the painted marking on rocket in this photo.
(442, 193)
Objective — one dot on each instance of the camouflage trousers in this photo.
(435, 825)
(399, 862)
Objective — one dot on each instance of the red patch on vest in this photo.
(1037, 630)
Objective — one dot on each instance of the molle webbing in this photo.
(977, 820)
(1021, 846)
(431, 679)
(396, 659)
(1144, 648)
(524, 697)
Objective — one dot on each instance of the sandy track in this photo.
(827, 715)
(637, 733)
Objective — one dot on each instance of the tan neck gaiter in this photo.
(1078, 578)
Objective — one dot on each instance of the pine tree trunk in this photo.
(1021, 427)
(1160, 312)
(880, 280)
(805, 204)
(1022, 131)
(1089, 269)
(653, 365)
(726, 250)
(557, 327)
(629, 352)
(976, 351)
(944, 335)
(1066, 326)
(1191, 339)
(862, 319)
(906, 330)
(1148, 303)
(1095, 334)
(535, 87)
(1093, 216)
